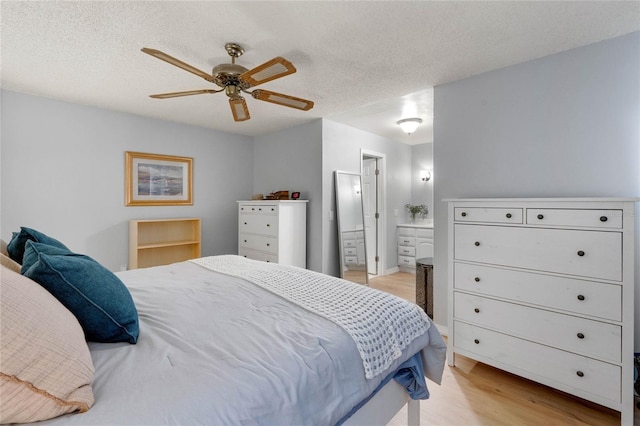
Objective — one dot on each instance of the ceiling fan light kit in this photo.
(409, 125)
(235, 79)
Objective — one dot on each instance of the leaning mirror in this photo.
(351, 238)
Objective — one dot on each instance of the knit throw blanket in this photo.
(380, 324)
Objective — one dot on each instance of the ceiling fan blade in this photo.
(187, 93)
(239, 109)
(280, 99)
(270, 70)
(177, 62)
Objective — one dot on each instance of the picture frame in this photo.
(158, 180)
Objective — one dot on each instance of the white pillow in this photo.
(46, 367)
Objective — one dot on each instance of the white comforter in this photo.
(218, 350)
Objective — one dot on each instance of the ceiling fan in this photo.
(235, 79)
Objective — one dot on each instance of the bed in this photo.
(226, 340)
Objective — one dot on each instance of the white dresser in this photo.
(353, 249)
(273, 231)
(415, 241)
(544, 288)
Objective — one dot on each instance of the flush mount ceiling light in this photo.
(409, 125)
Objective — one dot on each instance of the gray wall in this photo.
(342, 151)
(562, 126)
(291, 159)
(422, 192)
(63, 174)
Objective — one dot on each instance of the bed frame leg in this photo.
(413, 412)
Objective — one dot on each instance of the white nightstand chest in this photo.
(544, 288)
(273, 231)
(415, 241)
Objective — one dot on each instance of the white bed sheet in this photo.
(218, 350)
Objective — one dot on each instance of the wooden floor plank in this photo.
(473, 393)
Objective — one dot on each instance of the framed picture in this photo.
(158, 180)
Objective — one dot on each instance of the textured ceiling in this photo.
(365, 64)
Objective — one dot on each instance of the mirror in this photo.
(351, 238)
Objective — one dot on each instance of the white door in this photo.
(370, 206)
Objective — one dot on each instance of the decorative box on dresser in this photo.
(415, 241)
(544, 288)
(273, 231)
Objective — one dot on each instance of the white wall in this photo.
(291, 159)
(63, 174)
(560, 126)
(341, 151)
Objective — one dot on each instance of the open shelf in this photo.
(154, 242)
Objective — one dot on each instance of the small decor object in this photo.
(257, 197)
(417, 210)
(158, 180)
(295, 195)
(282, 195)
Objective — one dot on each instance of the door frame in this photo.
(382, 204)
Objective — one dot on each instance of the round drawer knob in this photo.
(603, 218)
(476, 341)
(477, 243)
(540, 216)
(245, 241)
(477, 279)
(580, 297)
(508, 215)
(580, 373)
(245, 223)
(463, 214)
(580, 336)
(268, 224)
(476, 310)
(268, 244)
(580, 253)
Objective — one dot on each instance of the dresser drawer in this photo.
(258, 224)
(350, 243)
(406, 251)
(568, 294)
(406, 231)
(575, 217)
(350, 251)
(259, 209)
(558, 368)
(351, 260)
(424, 233)
(258, 242)
(493, 215)
(407, 261)
(575, 334)
(596, 254)
(406, 241)
(257, 255)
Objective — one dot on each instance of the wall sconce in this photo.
(409, 125)
(425, 175)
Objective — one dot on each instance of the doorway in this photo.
(372, 171)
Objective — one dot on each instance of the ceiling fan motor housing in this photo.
(227, 74)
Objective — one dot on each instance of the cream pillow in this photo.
(45, 364)
(3, 247)
(10, 263)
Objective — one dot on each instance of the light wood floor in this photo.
(473, 393)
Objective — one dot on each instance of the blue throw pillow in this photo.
(15, 248)
(99, 300)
